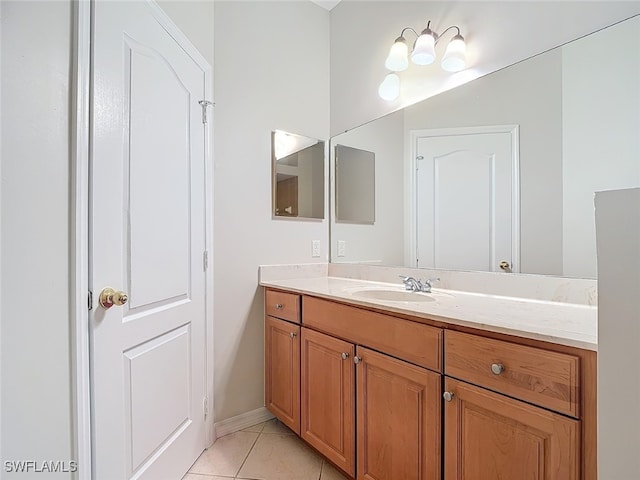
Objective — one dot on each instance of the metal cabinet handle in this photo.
(357, 360)
(279, 306)
(497, 368)
(345, 355)
(448, 396)
(293, 334)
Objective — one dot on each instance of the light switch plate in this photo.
(315, 248)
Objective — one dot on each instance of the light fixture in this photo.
(389, 89)
(422, 53)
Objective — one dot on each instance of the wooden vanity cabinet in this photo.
(397, 403)
(282, 357)
(399, 419)
(365, 389)
(327, 397)
(490, 435)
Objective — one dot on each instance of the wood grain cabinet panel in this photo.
(411, 341)
(399, 421)
(545, 378)
(282, 305)
(282, 371)
(328, 397)
(492, 437)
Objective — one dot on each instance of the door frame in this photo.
(411, 165)
(81, 428)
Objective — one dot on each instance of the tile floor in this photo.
(267, 451)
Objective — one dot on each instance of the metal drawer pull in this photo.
(497, 368)
(357, 360)
(293, 334)
(345, 355)
(279, 306)
(448, 396)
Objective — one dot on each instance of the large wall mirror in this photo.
(298, 175)
(505, 167)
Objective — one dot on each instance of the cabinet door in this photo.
(399, 419)
(328, 397)
(282, 371)
(492, 437)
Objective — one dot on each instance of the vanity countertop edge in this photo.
(566, 324)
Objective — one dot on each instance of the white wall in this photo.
(35, 370)
(601, 127)
(271, 73)
(497, 34)
(618, 241)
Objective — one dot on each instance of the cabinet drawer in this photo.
(411, 341)
(283, 305)
(542, 377)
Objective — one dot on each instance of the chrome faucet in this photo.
(415, 285)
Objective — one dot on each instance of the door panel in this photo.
(282, 366)
(471, 177)
(328, 391)
(492, 437)
(398, 412)
(158, 108)
(157, 392)
(147, 238)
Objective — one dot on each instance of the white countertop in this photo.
(561, 323)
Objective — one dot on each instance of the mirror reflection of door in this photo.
(466, 199)
(298, 175)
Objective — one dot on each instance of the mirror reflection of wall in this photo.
(298, 175)
(355, 185)
(578, 120)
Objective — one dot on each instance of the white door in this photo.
(148, 240)
(466, 199)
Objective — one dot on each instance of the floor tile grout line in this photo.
(248, 453)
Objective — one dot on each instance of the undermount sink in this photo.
(391, 295)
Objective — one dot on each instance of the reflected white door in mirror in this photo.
(465, 198)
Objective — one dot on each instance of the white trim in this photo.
(79, 254)
(242, 421)
(411, 178)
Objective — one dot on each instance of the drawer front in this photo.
(542, 377)
(283, 305)
(411, 341)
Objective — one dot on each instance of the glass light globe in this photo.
(454, 58)
(397, 59)
(389, 89)
(424, 51)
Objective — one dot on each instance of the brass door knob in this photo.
(109, 297)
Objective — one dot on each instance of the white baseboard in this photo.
(242, 421)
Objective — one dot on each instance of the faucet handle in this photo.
(410, 283)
